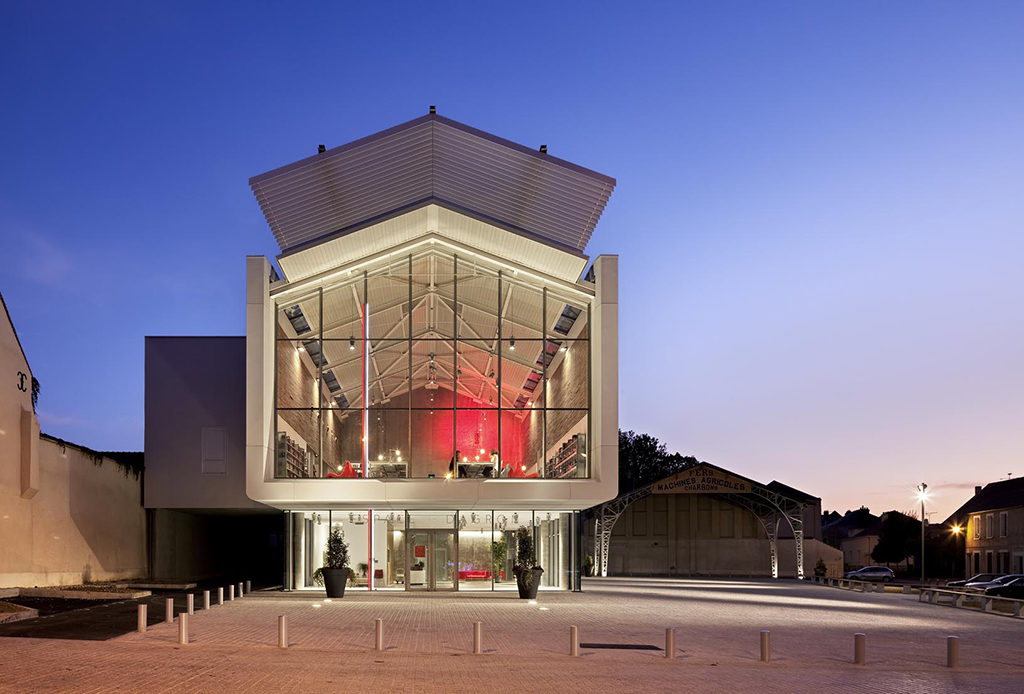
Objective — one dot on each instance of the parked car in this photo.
(871, 573)
(1010, 589)
(1002, 580)
(980, 578)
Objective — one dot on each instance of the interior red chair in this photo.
(515, 471)
(348, 470)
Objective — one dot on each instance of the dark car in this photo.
(980, 578)
(871, 573)
(1010, 589)
(1001, 581)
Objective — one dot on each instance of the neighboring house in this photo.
(67, 514)
(437, 368)
(992, 525)
(860, 543)
(840, 531)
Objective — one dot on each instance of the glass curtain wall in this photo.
(433, 550)
(433, 365)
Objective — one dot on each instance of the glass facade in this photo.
(432, 365)
(433, 550)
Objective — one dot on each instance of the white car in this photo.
(871, 573)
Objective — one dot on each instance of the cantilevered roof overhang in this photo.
(427, 160)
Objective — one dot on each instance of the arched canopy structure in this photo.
(768, 504)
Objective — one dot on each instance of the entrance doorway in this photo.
(432, 559)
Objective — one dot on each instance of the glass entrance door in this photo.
(432, 561)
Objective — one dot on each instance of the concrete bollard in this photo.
(574, 642)
(248, 587)
(183, 629)
(282, 632)
(190, 604)
(220, 596)
(478, 638)
(766, 646)
(231, 592)
(378, 644)
(670, 643)
(143, 619)
(952, 651)
(169, 611)
(241, 593)
(206, 599)
(858, 649)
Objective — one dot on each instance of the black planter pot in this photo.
(528, 581)
(334, 582)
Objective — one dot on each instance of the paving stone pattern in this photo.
(428, 644)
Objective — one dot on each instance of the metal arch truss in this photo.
(769, 507)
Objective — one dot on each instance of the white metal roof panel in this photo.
(433, 158)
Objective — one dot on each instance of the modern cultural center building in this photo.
(436, 368)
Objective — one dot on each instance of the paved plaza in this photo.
(428, 644)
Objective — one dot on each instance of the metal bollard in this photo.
(282, 632)
(248, 587)
(952, 651)
(379, 642)
(220, 596)
(574, 642)
(206, 599)
(190, 603)
(241, 593)
(143, 619)
(231, 592)
(858, 649)
(183, 629)
(169, 611)
(766, 646)
(478, 638)
(670, 643)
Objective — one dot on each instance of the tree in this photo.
(898, 538)
(643, 460)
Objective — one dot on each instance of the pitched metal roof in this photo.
(995, 495)
(432, 159)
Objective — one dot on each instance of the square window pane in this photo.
(432, 367)
(388, 299)
(342, 443)
(520, 372)
(522, 311)
(298, 373)
(388, 442)
(298, 317)
(433, 282)
(432, 440)
(568, 375)
(297, 446)
(567, 452)
(521, 443)
(477, 373)
(343, 310)
(476, 441)
(477, 302)
(566, 317)
(343, 373)
(389, 374)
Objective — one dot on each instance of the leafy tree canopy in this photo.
(643, 460)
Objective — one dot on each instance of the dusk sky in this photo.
(818, 213)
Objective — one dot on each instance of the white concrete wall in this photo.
(86, 523)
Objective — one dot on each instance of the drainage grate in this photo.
(624, 646)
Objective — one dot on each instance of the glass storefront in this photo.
(433, 365)
(433, 550)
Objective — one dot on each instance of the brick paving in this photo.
(428, 640)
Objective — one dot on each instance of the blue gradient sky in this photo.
(819, 207)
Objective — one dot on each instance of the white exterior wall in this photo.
(63, 518)
(469, 494)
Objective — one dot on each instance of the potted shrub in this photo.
(526, 570)
(335, 571)
(499, 548)
(588, 565)
(820, 569)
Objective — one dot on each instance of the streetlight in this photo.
(956, 545)
(922, 494)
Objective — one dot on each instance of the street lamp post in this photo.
(922, 494)
(956, 547)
